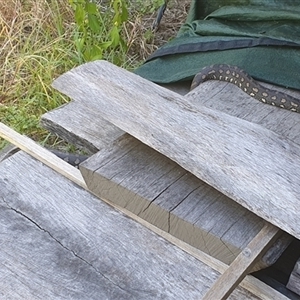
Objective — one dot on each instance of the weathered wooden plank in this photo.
(212, 242)
(153, 187)
(230, 99)
(70, 121)
(294, 280)
(250, 283)
(234, 156)
(241, 266)
(131, 143)
(67, 119)
(58, 241)
(76, 127)
(39, 152)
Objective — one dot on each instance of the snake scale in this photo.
(240, 78)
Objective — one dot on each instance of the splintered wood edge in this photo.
(243, 263)
(250, 283)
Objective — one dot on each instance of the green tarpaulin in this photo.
(260, 36)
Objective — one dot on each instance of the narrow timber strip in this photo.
(70, 123)
(41, 154)
(251, 165)
(294, 280)
(250, 283)
(244, 262)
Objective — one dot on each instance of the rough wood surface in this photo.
(32, 148)
(226, 97)
(294, 280)
(250, 283)
(76, 128)
(69, 121)
(252, 165)
(223, 241)
(59, 241)
(241, 266)
(153, 187)
(231, 100)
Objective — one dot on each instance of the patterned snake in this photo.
(245, 82)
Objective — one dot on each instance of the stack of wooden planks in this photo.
(191, 173)
(58, 241)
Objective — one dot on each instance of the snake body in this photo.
(240, 78)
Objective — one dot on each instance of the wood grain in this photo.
(153, 187)
(241, 266)
(59, 241)
(20, 171)
(230, 99)
(40, 153)
(294, 280)
(187, 220)
(252, 165)
(71, 123)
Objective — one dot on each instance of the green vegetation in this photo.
(99, 34)
(36, 46)
(39, 40)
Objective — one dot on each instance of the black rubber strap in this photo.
(219, 45)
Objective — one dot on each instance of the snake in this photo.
(245, 82)
(72, 159)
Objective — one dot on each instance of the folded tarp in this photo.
(261, 37)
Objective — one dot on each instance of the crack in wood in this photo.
(61, 244)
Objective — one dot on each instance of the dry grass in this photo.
(143, 41)
(33, 51)
(36, 46)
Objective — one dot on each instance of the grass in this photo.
(37, 45)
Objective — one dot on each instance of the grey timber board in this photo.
(78, 129)
(233, 155)
(60, 242)
(184, 217)
(150, 185)
(294, 280)
(70, 121)
(230, 99)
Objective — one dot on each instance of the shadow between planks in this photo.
(233, 155)
(29, 190)
(59, 241)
